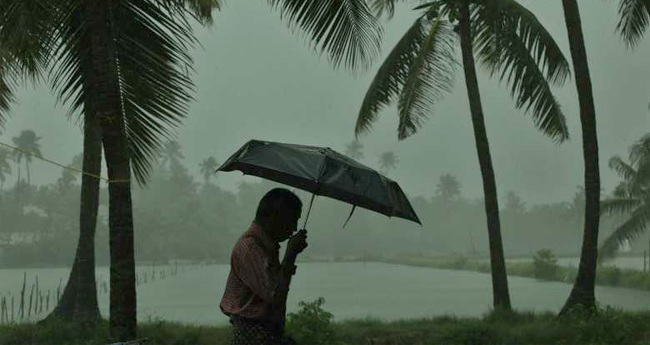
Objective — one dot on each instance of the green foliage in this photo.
(545, 265)
(311, 325)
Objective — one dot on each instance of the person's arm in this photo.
(287, 270)
(296, 245)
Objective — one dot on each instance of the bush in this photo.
(311, 325)
(545, 265)
(609, 275)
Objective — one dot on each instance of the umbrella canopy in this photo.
(322, 171)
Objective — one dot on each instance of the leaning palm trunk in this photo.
(497, 261)
(583, 289)
(106, 105)
(79, 299)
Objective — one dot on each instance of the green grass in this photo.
(607, 326)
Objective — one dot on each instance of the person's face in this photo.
(286, 223)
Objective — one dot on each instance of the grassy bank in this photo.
(606, 327)
(606, 275)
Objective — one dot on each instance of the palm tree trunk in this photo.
(106, 105)
(499, 276)
(583, 289)
(79, 299)
(29, 180)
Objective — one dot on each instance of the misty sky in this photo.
(255, 79)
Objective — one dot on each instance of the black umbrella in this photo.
(322, 171)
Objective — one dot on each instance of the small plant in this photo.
(545, 265)
(311, 325)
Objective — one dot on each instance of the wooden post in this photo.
(22, 297)
(38, 292)
(12, 308)
(2, 310)
(31, 298)
(47, 301)
(6, 308)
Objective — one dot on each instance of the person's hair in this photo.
(277, 200)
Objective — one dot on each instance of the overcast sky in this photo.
(256, 79)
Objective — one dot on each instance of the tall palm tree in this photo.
(510, 41)
(28, 146)
(354, 149)
(584, 286)
(171, 153)
(631, 198)
(448, 188)
(208, 166)
(388, 160)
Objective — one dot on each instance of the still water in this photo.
(351, 290)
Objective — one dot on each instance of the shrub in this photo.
(311, 325)
(545, 265)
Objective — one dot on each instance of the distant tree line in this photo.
(180, 217)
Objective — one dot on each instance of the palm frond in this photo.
(513, 44)
(200, 10)
(508, 19)
(430, 76)
(6, 94)
(619, 206)
(640, 151)
(628, 231)
(626, 171)
(152, 52)
(153, 48)
(381, 7)
(345, 29)
(391, 75)
(26, 34)
(634, 18)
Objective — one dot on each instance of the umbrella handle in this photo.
(313, 196)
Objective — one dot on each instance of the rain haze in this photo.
(256, 77)
(258, 81)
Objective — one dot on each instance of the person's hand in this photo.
(297, 243)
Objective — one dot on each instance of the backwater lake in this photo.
(351, 291)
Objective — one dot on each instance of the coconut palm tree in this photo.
(448, 188)
(171, 153)
(509, 40)
(631, 198)
(354, 149)
(208, 166)
(388, 160)
(5, 166)
(28, 146)
(584, 286)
